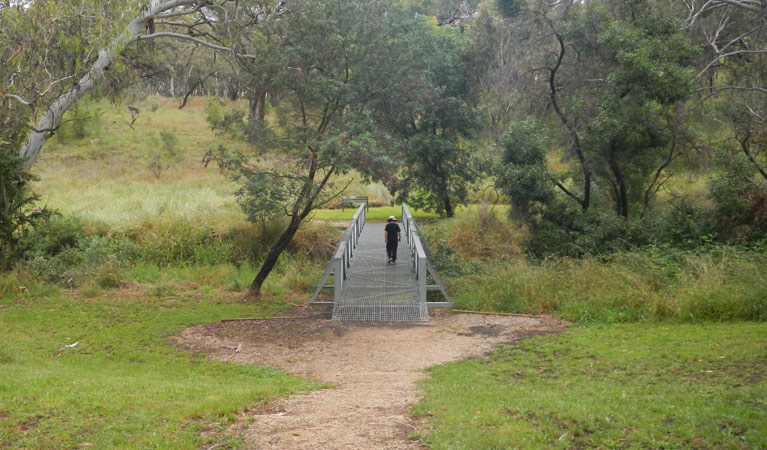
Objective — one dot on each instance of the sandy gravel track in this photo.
(373, 368)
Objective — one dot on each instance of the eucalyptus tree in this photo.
(612, 74)
(733, 88)
(58, 51)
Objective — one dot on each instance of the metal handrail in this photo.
(342, 258)
(417, 252)
(417, 243)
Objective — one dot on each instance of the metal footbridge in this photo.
(366, 288)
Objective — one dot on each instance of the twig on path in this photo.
(490, 313)
(244, 319)
(237, 348)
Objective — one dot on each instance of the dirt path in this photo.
(373, 368)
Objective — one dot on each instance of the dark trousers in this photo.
(391, 250)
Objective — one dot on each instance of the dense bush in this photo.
(14, 199)
(561, 229)
(740, 200)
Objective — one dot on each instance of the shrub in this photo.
(52, 237)
(523, 175)
(169, 143)
(483, 235)
(14, 198)
(315, 241)
(740, 199)
(213, 114)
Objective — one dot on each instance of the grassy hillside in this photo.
(121, 177)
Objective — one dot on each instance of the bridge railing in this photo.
(342, 258)
(417, 252)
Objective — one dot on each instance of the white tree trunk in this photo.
(50, 121)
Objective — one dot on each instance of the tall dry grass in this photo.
(716, 286)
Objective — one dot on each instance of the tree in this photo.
(329, 63)
(438, 162)
(522, 174)
(614, 75)
(73, 45)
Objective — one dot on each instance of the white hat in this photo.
(392, 218)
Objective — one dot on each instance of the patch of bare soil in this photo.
(373, 369)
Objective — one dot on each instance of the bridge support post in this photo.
(339, 271)
(421, 273)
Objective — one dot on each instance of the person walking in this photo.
(392, 236)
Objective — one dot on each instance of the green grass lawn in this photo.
(374, 214)
(383, 212)
(124, 385)
(619, 386)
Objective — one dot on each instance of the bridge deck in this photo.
(375, 291)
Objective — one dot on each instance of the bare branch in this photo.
(718, 89)
(180, 13)
(752, 6)
(757, 7)
(724, 55)
(17, 98)
(190, 38)
(55, 82)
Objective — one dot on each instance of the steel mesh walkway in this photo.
(375, 291)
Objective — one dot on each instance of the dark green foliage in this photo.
(15, 198)
(523, 175)
(740, 199)
(58, 249)
(437, 158)
(509, 8)
(628, 118)
(53, 236)
(564, 230)
(437, 174)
